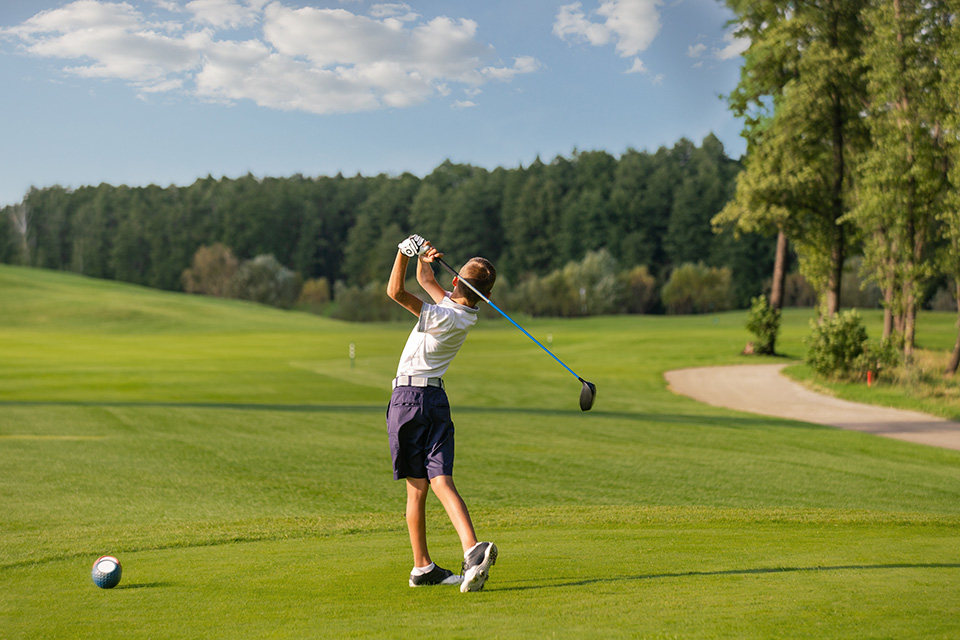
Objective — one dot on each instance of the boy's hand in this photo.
(431, 253)
(413, 246)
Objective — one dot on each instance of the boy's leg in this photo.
(417, 489)
(477, 557)
(446, 492)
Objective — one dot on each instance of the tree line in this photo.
(640, 209)
(852, 115)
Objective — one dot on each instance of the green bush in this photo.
(315, 294)
(589, 287)
(639, 290)
(369, 303)
(763, 321)
(266, 281)
(836, 346)
(697, 288)
(881, 356)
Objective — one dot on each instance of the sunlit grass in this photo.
(237, 464)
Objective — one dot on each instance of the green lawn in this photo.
(237, 464)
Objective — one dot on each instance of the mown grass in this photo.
(237, 464)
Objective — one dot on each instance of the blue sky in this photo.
(167, 91)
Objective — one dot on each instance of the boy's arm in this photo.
(426, 277)
(396, 290)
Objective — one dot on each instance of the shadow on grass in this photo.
(706, 419)
(730, 572)
(144, 585)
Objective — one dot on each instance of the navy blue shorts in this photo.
(421, 432)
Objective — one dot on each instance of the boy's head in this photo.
(481, 273)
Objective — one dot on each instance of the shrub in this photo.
(264, 280)
(763, 321)
(588, 287)
(697, 288)
(639, 289)
(367, 304)
(593, 284)
(883, 356)
(836, 345)
(212, 271)
(315, 294)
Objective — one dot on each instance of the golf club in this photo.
(589, 391)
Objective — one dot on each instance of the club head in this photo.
(587, 395)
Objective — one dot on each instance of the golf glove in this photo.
(413, 246)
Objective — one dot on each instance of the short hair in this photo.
(481, 273)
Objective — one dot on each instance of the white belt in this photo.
(417, 381)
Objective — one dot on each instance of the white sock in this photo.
(419, 571)
(467, 552)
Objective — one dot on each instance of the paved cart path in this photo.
(763, 389)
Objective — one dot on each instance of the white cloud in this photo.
(294, 58)
(734, 48)
(571, 22)
(463, 104)
(523, 64)
(168, 5)
(80, 15)
(631, 24)
(696, 50)
(637, 67)
(399, 11)
(222, 13)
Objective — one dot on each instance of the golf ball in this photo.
(106, 572)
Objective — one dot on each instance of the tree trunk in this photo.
(779, 272)
(836, 273)
(836, 206)
(909, 328)
(887, 310)
(955, 358)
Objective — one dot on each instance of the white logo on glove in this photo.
(413, 246)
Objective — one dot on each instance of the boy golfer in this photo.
(418, 418)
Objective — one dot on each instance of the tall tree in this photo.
(949, 214)
(801, 94)
(471, 224)
(901, 178)
(700, 195)
(533, 225)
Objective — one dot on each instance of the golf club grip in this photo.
(501, 312)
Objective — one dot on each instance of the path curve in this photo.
(761, 388)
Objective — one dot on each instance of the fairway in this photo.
(235, 461)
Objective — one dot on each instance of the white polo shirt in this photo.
(436, 339)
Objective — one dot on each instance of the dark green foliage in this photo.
(9, 237)
(642, 209)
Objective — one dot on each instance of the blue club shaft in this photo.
(501, 312)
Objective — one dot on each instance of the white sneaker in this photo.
(476, 566)
(438, 575)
